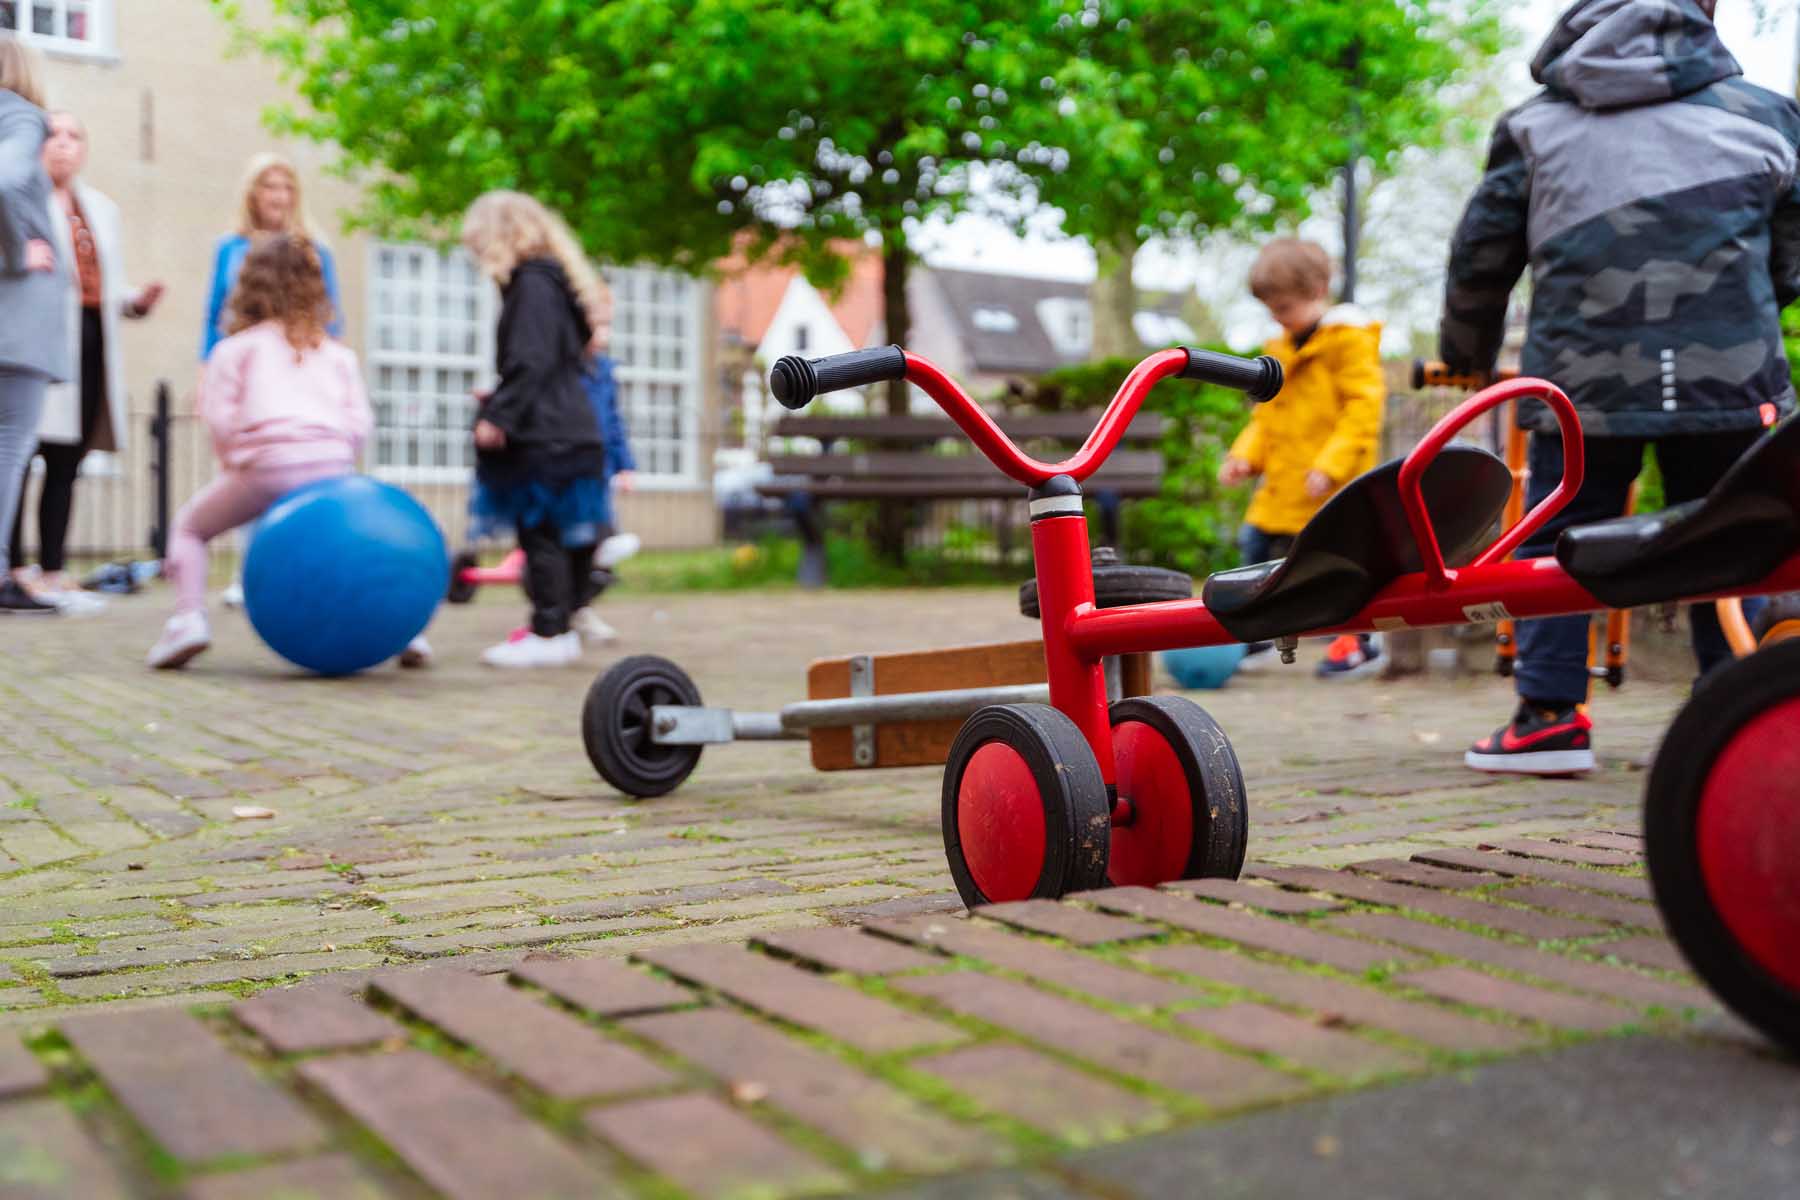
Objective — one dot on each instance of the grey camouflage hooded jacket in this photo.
(1654, 194)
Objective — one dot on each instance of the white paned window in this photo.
(430, 344)
(74, 26)
(658, 324)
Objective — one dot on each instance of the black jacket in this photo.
(551, 432)
(1655, 197)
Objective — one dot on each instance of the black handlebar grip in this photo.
(795, 380)
(1258, 378)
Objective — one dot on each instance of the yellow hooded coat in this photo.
(1327, 418)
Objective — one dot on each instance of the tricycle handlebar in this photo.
(795, 381)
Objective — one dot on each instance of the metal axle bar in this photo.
(691, 725)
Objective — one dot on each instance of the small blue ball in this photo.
(343, 573)
(1203, 666)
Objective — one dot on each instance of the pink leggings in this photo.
(234, 498)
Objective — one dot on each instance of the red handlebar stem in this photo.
(992, 441)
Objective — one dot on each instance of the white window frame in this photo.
(638, 336)
(427, 359)
(98, 46)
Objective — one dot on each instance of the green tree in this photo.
(1178, 119)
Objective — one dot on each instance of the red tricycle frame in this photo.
(1078, 635)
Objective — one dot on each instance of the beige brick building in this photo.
(173, 115)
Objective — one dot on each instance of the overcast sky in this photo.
(1766, 49)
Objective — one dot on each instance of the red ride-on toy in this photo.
(1040, 799)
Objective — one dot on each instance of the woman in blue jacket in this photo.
(269, 203)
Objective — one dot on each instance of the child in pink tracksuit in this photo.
(286, 406)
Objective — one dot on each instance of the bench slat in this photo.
(903, 466)
(995, 488)
(1069, 427)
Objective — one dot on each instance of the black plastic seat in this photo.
(1744, 528)
(1359, 543)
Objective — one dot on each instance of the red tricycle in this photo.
(1043, 799)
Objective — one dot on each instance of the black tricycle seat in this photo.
(1359, 543)
(1748, 525)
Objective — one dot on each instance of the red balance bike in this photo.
(1042, 799)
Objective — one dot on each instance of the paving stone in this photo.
(20, 1069)
(849, 950)
(1399, 870)
(802, 998)
(307, 1019)
(1340, 999)
(462, 1137)
(1054, 965)
(622, 906)
(905, 906)
(326, 1177)
(1079, 926)
(1111, 1043)
(1611, 909)
(990, 1185)
(45, 1154)
(1309, 1043)
(1657, 952)
(438, 946)
(1464, 986)
(292, 891)
(709, 1148)
(604, 987)
(541, 1044)
(1268, 899)
(1539, 926)
(193, 1096)
(1264, 933)
(1604, 839)
(1598, 978)
(1042, 1093)
(227, 971)
(829, 898)
(883, 1127)
(1547, 872)
(1561, 852)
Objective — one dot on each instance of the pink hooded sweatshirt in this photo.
(269, 405)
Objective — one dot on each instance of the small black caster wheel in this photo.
(615, 726)
(1182, 811)
(1503, 666)
(1117, 584)
(461, 590)
(1779, 620)
(1615, 677)
(1025, 810)
(1722, 836)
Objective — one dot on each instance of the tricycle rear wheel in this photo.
(1183, 810)
(616, 728)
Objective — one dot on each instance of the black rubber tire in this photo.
(1215, 781)
(1077, 809)
(1615, 677)
(1781, 610)
(461, 590)
(615, 726)
(1121, 584)
(1728, 699)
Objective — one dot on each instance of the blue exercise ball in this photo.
(343, 573)
(1203, 666)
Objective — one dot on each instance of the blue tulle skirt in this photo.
(579, 509)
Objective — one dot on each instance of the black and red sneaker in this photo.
(1539, 741)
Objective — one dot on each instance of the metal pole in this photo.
(1350, 229)
(159, 467)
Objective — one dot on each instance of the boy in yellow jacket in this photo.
(1322, 431)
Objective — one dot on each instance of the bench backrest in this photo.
(1059, 427)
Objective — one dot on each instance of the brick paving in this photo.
(453, 963)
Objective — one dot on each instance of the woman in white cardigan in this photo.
(89, 411)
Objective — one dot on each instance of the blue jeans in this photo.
(21, 404)
(1552, 665)
(1259, 545)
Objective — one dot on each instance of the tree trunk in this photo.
(1114, 298)
(896, 262)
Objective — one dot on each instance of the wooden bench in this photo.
(941, 465)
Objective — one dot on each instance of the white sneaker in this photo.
(589, 625)
(74, 603)
(185, 635)
(233, 596)
(616, 549)
(526, 649)
(417, 654)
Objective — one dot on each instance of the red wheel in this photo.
(1025, 809)
(1722, 836)
(1183, 813)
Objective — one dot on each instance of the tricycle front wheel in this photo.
(617, 732)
